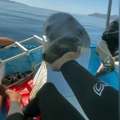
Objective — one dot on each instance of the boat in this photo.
(29, 60)
(30, 86)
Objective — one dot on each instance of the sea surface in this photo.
(19, 21)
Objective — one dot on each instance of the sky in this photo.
(75, 6)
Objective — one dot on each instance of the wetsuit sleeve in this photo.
(15, 116)
(98, 100)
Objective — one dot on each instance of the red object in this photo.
(24, 90)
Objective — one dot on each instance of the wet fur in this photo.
(60, 47)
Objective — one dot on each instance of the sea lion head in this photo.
(64, 34)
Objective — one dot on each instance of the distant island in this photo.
(103, 16)
(5, 0)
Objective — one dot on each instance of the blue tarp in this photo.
(23, 64)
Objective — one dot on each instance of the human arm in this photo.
(5, 41)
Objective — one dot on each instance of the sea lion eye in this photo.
(79, 33)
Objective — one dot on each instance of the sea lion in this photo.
(64, 34)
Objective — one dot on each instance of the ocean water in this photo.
(19, 21)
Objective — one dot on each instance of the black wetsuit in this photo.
(48, 103)
(111, 36)
(51, 105)
(98, 100)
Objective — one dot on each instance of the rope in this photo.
(39, 79)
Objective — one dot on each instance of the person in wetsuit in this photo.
(107, 48)
(98, 100)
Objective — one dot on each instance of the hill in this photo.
(103, 16)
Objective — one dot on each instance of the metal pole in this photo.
(108, 12)
(7, 47)
(21, 55)
(39, 39)
(25, 51)
(119, 58)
